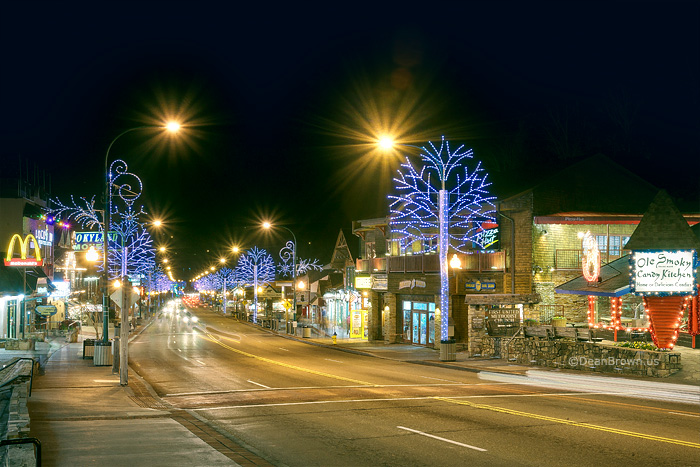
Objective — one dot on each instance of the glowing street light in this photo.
(91, 255)
(267, 225)
(171, 127)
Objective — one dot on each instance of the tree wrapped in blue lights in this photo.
(224, 279)
(256, 268)
(415, 209)
(443, 200)
(286, 267)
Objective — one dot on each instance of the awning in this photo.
(614, 281)
(12, 280)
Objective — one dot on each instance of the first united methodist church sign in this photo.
(24, 245)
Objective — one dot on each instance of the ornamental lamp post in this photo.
(172, 127)
(268, 225)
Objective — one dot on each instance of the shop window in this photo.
(602, 241)
(370, 250)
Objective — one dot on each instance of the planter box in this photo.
(559, 322)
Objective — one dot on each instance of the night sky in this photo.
(281, 104)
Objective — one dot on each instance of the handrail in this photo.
(520, 329)
(31, 375)
(34, 441)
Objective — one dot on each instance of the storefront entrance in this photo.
(419, 322)
(12, 319)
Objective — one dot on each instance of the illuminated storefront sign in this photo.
(363, 282)
(84, 240)
(23, 247)
(44, 237)
(380, 282)
(487, 238)
(663, 272)
(480, 286)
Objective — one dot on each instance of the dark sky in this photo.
(281, 103)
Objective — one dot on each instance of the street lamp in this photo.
(123, 354)
(268, 225)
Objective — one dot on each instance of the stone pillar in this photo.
(476, 329)
(374, 320)
(392, 322)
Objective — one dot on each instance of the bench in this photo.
(561, 332)
(541, 332)
(585, 335)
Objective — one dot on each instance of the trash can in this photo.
(103, 353)
(306, 331)
(448, 350)
(89, 348)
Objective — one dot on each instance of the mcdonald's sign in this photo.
(23, 247)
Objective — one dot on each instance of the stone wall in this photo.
(584, 356)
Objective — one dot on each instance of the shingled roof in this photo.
(595, 184)
(663, 227)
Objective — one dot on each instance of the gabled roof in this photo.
(663, 227)
(596, 184)
(341, 253)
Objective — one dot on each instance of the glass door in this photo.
(416, 328)
(12, 319)
(423, 327)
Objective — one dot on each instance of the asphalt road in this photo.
(297, 404)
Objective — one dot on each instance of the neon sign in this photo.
(590, 261)
(23, 247)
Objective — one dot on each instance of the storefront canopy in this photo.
(12, 282)
(614, 281)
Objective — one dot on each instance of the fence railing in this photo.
(477, 262)
(571, 259)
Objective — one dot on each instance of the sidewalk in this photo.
(83, 416)
(690, 359)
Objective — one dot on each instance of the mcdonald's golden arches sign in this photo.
(23, 247)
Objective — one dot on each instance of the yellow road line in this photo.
(578, 397)
(623, 404)
(572, 423)
(286, 365)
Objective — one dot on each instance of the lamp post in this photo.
(172, 127)
(268, 225)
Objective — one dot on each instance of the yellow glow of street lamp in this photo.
(301, 285)
(234, 249)
(222, 260)
(117, 284)
(91, 254)
(172, 127)
(260, 289)
(165, 260)
(386, 143)
(212, 268)
(157, 223)
(455, 263)
(162, 249)
(266, 225)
